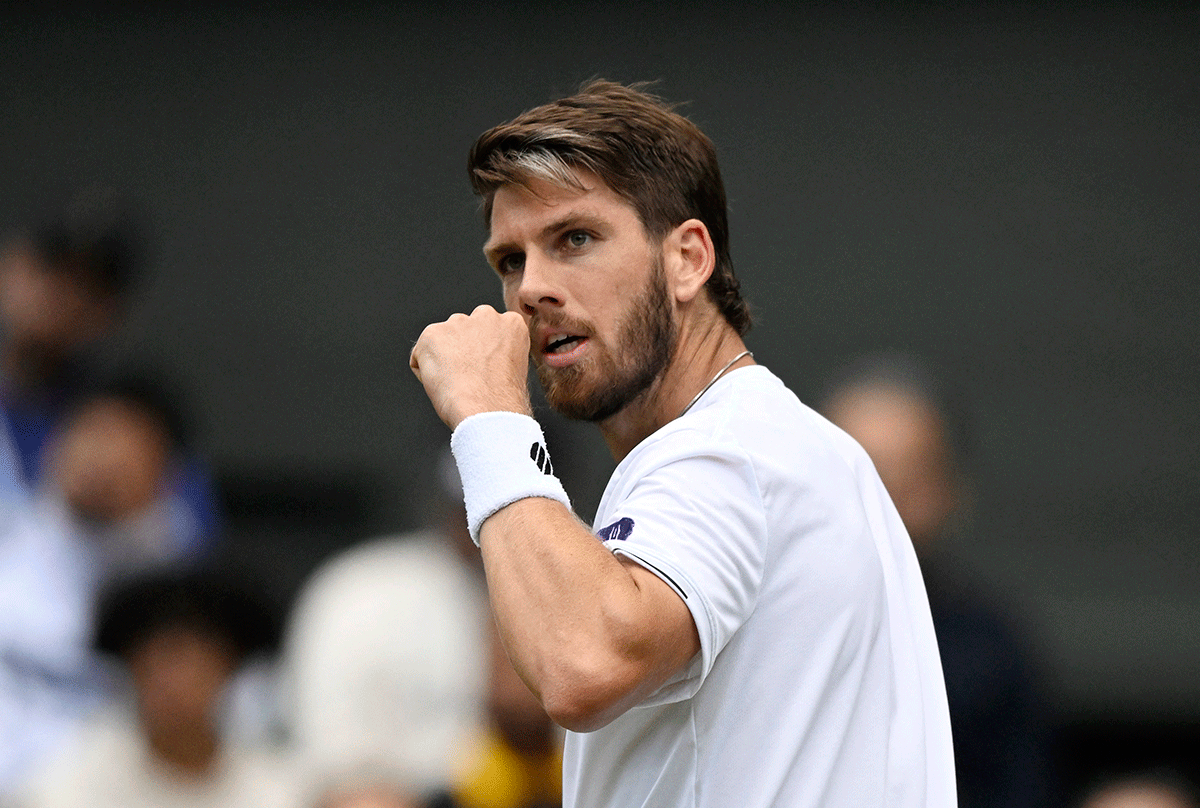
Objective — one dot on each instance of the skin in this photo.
(178, 675)
(1138, 794)
(516, 714)
(906, 440)
(46, 315)
(110, 461)
(590, 634)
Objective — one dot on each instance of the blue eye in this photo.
(513, 262)
(578, 238)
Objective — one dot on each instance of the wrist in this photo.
(471, 410)
(502, 457)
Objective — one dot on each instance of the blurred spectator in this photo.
(896, 409)
(100, 514)
(384, 664)
(517, 760)
(392, 661)
(12, 481)
(64, 284)
(1154, 789)
(180, 638)
(107, 463)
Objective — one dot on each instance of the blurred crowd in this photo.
(136, 671)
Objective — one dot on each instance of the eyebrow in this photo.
(493, 252)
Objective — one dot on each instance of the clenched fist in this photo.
(474, 363)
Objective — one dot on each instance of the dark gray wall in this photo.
(1013, 192)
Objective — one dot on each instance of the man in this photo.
(909, 424)
(64, 285)
(180, 638)
(66, 281)
(101, 514)
(749, 626)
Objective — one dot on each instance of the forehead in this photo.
(538, 200)
(885, 418)
(112, 416)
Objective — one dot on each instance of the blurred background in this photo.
(1010, 191)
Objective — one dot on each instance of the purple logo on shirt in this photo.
(617, 531)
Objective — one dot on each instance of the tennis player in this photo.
(746, 625)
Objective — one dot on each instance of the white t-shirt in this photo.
(818, 682)
(108, 765)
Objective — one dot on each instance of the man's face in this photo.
(49, 310)
(905, 439)
(179, 674)
(590, 284)
(110, 459)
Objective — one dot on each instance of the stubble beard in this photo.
(597, 389)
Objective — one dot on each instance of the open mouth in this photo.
(561, 345)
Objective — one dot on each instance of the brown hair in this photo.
(654, 158)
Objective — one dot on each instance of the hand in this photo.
(474, 363)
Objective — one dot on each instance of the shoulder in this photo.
(751, 416)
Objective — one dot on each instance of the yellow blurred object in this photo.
(500, 777)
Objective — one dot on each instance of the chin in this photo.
(574, 396)
(568, 399)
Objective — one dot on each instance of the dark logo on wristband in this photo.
(619, 530)
(537, 453)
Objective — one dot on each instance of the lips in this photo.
(560, 345)
(561, 348)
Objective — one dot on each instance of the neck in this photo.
(702, 351)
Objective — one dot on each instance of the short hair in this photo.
(135, 609)
(145, 389)
(915, 376)
(95, 236)
(648, 154)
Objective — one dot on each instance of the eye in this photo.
(577, 239)
(513, 262)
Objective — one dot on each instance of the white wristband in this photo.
(501, 458)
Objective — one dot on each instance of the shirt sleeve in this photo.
(694, 517)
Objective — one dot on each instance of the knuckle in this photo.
(426, 334)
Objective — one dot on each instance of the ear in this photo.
(689, 259)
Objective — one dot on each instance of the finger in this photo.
(513, 319)
(418, 348)
(515, 324)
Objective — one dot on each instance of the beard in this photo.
(606, 383)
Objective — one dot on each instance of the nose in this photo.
(538, 286)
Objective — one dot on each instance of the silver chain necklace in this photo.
(713, 381)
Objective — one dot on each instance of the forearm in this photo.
(591, 634)
(584, 629)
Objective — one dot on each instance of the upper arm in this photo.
(669, 626)
(697, 522)
(599, 624)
